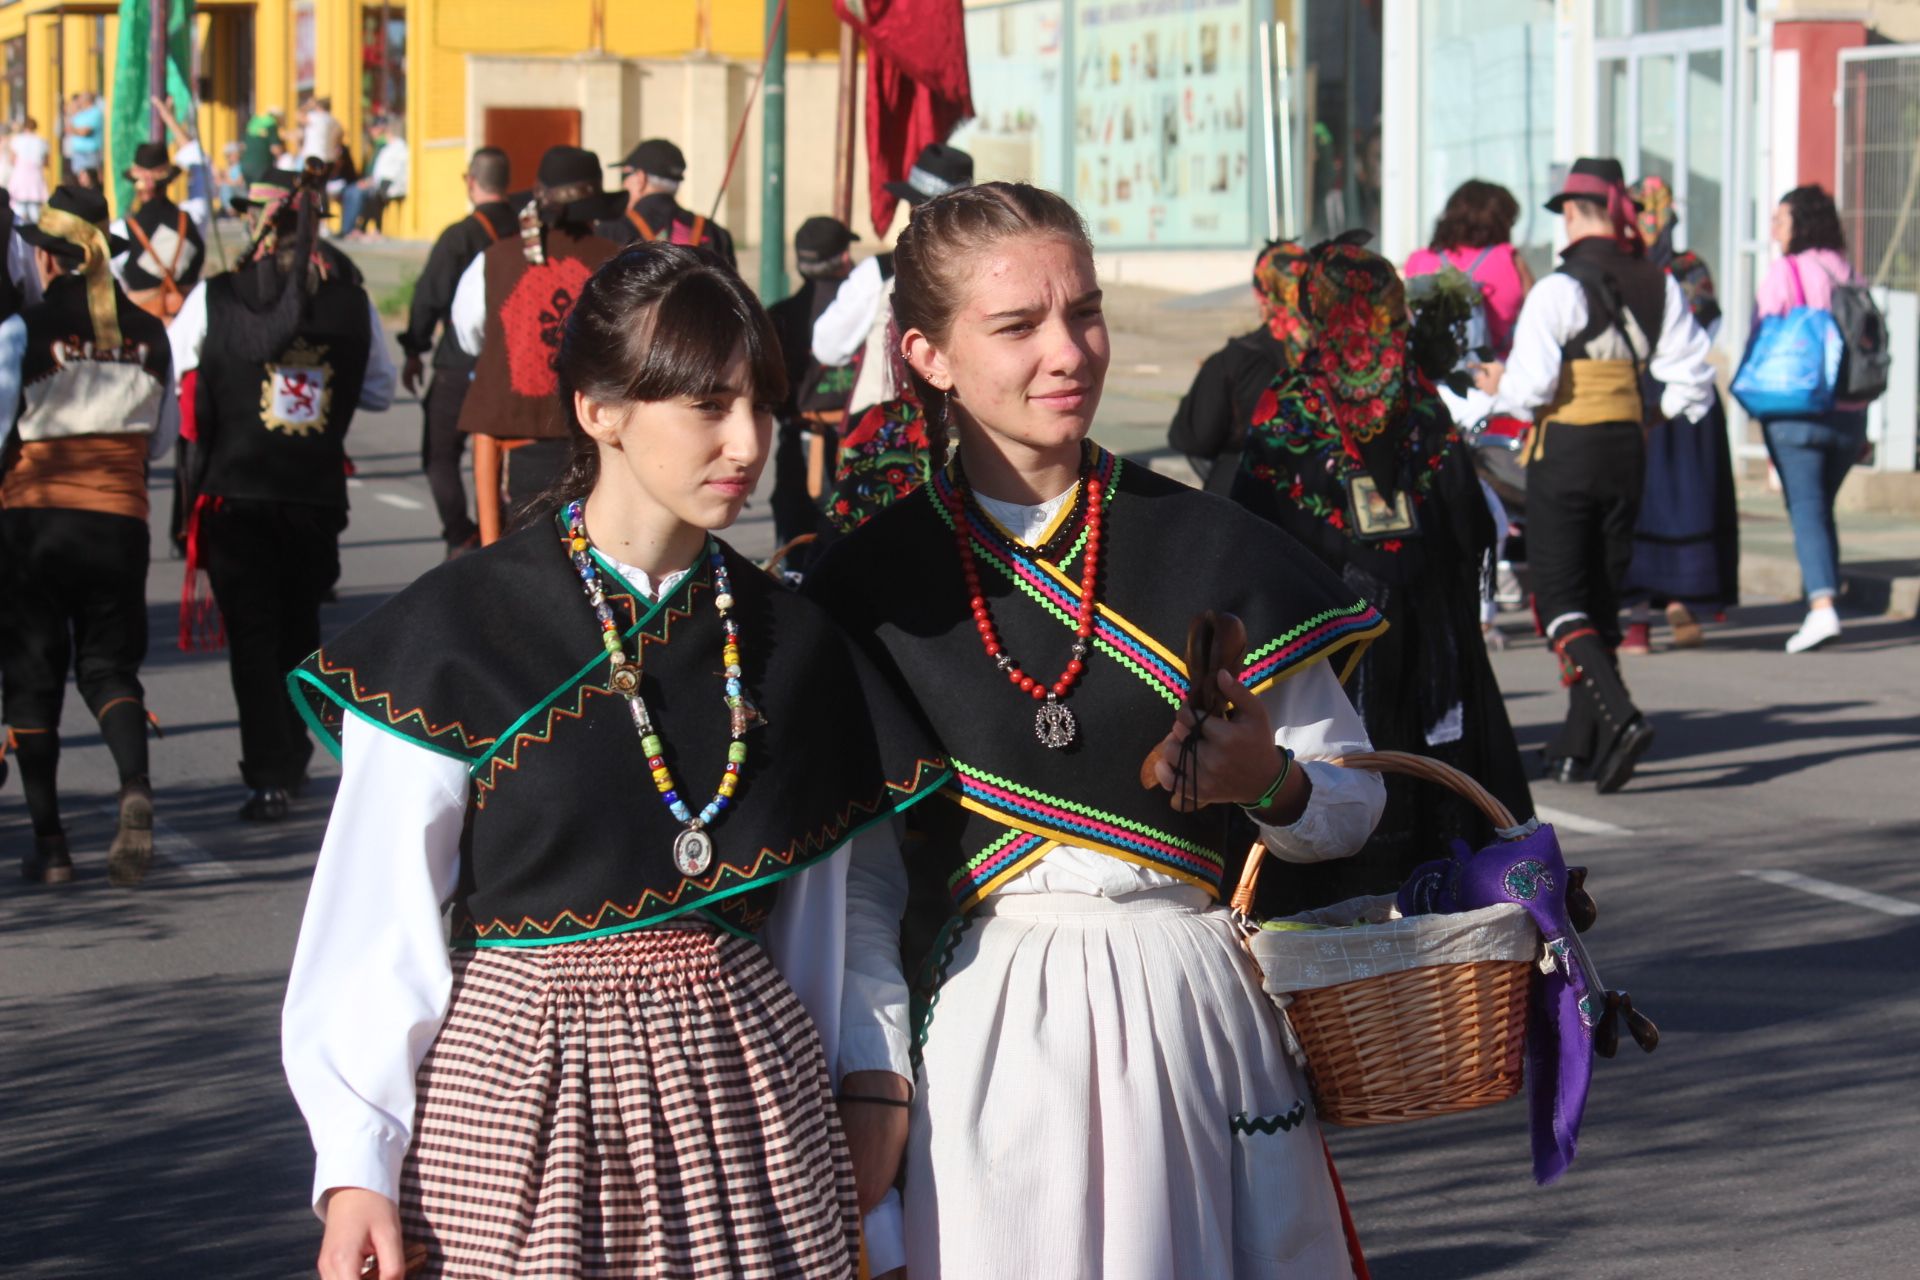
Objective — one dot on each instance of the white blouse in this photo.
(1313, 719)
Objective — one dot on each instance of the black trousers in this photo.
(441, 445)
(75, 599)
(1583, 500)
(270, 565)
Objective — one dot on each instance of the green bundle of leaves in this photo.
(1441, 304)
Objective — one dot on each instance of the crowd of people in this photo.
(1600, 373)
(799, 1011)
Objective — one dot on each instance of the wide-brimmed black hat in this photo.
(937, 170)
(1591, 178)
(820, 240)
(657, 158)
(568, 188)
(82, 203)
(153, 156)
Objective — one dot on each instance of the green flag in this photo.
(133, 83)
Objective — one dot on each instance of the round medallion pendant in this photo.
(692, 851)
(1053, 724)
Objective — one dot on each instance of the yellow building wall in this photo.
(441, 36)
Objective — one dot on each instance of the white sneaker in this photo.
(1820, 626)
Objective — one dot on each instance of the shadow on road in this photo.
(134, 1116)
(1706, 733)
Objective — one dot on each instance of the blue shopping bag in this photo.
(1793, 363)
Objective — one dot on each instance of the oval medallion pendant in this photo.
(692, 851)
(1053, 724)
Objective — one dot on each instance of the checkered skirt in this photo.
(654, 1104)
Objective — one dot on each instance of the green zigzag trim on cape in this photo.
(1285, 1122)
(933, 975)
(801, 853)
(653, 627)
(340, 686)
(1287, 637)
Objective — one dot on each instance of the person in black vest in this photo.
(165, 253)
(441, 443)
(816, 394)
(1585, 337)
(85, 402)
(1210, 426)
(508, 313)
(281, 353)
(652, 173)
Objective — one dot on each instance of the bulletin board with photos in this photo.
(1143, 112)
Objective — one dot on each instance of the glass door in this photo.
(1662, 113)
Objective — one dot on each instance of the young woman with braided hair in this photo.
(1097, 1083)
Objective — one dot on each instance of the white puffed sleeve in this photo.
(1317, 722)
(371, 974)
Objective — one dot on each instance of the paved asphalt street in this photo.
(145, 1128)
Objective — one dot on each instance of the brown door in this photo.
(525, 133)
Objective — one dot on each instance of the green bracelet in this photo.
(1286, 771)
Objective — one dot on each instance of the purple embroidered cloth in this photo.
(1561, 1014)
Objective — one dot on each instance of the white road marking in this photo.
(1574, 822)
(401, 501)
(1839, 892)
(355, 482)
(171, 847)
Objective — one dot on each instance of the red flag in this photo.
(917, 85)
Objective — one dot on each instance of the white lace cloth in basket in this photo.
(1383, 941)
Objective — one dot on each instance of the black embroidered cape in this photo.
(1168, 552)
(1428, 686)
(495, 659)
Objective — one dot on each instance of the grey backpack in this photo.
(1863, 370)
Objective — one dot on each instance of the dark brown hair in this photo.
(1816, 222)
(932, 264)
(657, 322)
(1478, 214)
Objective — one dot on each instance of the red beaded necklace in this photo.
(1053, 723)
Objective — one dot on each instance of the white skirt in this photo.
(1104, 1094)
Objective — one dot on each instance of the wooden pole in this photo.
(156, 67)
(843, 124)
(773, 159)
(386, 58)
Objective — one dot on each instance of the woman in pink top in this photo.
(27, 181)
(1475, 234)
(1812, 455)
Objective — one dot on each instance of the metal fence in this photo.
(1879, 198)
(1879, 174)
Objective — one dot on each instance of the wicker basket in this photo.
(1417, 1042)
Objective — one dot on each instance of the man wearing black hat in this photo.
(508, 312)
(811, 419)
(85, 402)
(652, 173)
(167, 252)
(491, 221)
(858, 317)
(274, 359)
(1587, 339)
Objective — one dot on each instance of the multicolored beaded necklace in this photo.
(1053, 723)
(693, 847)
